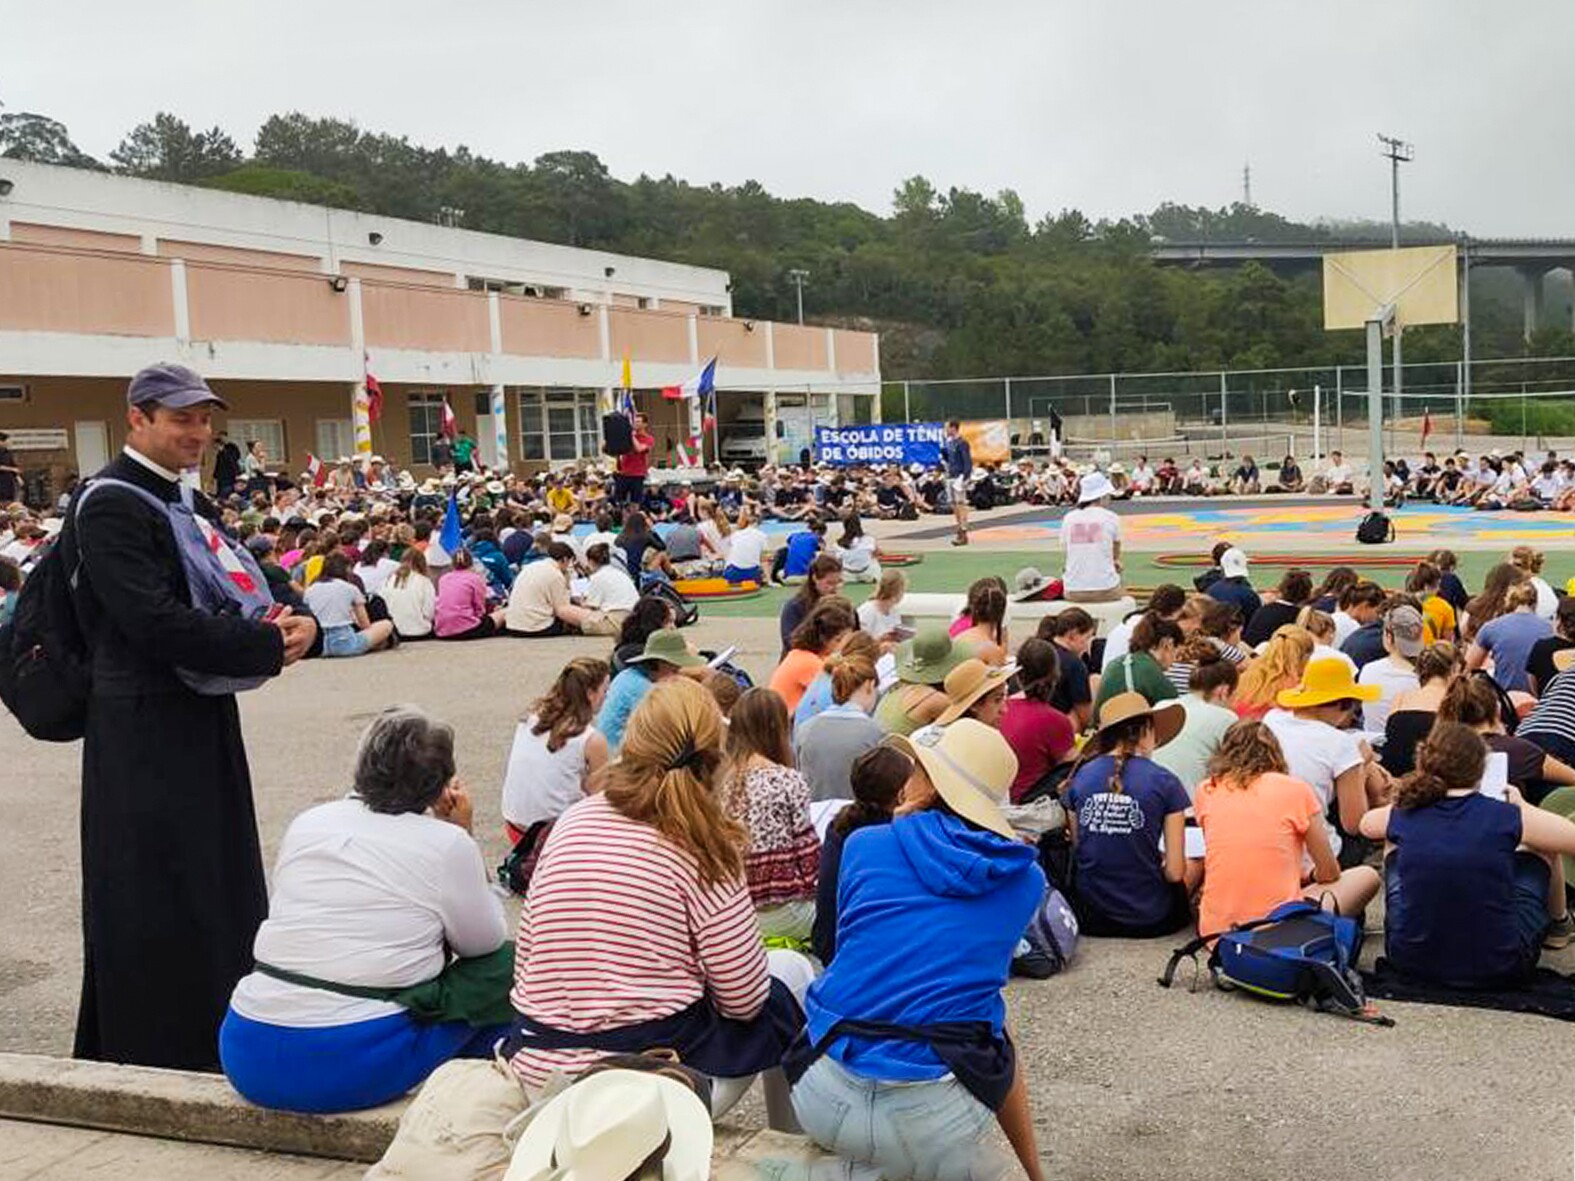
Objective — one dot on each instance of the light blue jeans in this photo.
(932, 1131)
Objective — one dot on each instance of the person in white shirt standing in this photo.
(1091, 541)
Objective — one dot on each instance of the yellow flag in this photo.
(628, 378)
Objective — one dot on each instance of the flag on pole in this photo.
(449, 427)
(316, 470)
(689, 452)
(374, 390)
(628, 405)
(1427, 424)
(451, 537)
(628, 374)
(708, 423)
(698, 388)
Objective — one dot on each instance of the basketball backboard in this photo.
(1419, 281)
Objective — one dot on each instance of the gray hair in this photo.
(405, 760)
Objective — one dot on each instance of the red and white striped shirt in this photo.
(618, 929)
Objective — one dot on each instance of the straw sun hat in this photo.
(968, 682)
(971, 766)
(1169, 716)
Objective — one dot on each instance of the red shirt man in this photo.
(634, 466)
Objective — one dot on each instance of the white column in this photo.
(149, 245)
(495, 322)
(360, 408)
(771, 345)
(500, 427)
(5, 226)
(180, 301)
(604, 332)
(831, 349)
(771, 426)
(694, 340)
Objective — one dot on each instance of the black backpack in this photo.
(684, 612)
(1376, 529)
(45, 667)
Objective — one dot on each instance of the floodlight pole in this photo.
(798, 275)
(1398, 152)
(1375, 403)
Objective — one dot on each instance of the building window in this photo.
(559, 425)
(267, 431)
(711, 309)
(426, 423)
(335, 438)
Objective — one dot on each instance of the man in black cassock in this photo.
(172, 876)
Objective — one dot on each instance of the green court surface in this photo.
(949, 570)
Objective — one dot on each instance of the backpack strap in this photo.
(1187, 952)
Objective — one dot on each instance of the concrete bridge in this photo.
(1531, 258)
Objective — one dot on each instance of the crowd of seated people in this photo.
(781, 850)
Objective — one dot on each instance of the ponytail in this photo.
(1451, 758)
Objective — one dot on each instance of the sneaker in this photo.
(1559, 932)
(960, 539)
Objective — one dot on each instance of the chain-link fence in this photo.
(1526, 403)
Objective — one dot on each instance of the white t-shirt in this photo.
(711, 535)
(1119, 642)
(1392, 676)
(412, 606)
(1344, 627)
(1088, 538)
(610, 589)
(374, 577)
(1547, 602)
(1315, 752)
(360, 897)
(1324, 652)
(747, 548)
(333, 602)
(1337, 474)
(541, 784)
(875, 622)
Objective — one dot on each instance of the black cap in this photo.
(173, 386)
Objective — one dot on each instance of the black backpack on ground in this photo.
(45, 667)
(1376, 529)
(684, 612)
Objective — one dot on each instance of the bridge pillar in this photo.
(1531, 297)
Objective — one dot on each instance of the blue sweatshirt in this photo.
(929, 912)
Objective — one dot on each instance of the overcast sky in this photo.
(1107, 106)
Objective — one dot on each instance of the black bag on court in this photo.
(1376, 529)
(617, 434)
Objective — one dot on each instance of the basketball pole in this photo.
(1375, 406)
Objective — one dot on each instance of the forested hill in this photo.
(960, 283)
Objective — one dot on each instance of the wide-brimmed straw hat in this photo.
(972, 767)
(928, 657)
(1169, 716)
(967, 683)
(563, 523)
(1029, 582)
(608, 1125)
(1324, 680)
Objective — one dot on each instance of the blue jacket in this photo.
(929, 912)
(500, 575)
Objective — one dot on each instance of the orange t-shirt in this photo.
(1254, 839)
(798, 668)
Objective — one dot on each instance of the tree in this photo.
(39, 139)
(168, 149)
(285, 184)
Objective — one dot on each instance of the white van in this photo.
(744, 439)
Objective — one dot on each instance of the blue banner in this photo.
(902, 442)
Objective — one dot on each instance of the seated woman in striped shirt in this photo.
(639, 930)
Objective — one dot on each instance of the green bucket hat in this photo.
(928, 657)
(668, 646)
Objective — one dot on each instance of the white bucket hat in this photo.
(1095, 486)
(608, 1125)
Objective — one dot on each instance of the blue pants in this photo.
(336, 1068)
(736, 575)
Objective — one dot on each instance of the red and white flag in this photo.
(231, 565)
(316, 470)
(450, 425)
(374, 390)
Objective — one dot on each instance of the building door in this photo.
(92, 444)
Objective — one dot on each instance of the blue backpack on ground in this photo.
(1050, 940)
(1297, 952)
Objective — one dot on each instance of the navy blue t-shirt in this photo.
(1120, 870)
(1073, 688)
(1238, 593)
(1365, 644)
(1450, 892)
